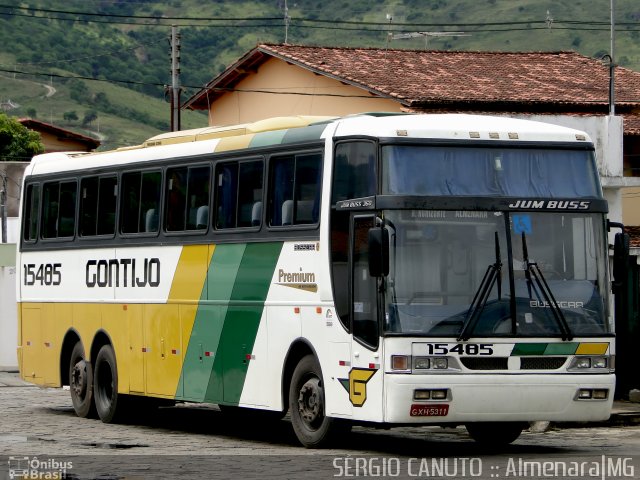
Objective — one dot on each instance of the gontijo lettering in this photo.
(124, 272)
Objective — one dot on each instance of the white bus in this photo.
(372, 269)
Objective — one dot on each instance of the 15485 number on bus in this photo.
(460, 348)
(43, 274)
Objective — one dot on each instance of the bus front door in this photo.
(365, 379)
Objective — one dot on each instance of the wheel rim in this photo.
(310, 403)
(79, 379)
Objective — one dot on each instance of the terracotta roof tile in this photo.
(432, 76)
(511, 81)
(634, 235)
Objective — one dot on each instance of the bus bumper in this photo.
(493, 398)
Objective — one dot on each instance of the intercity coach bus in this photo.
(378, 269)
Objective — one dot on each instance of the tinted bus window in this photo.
(98, 206)
(140, 202)
(187, 199)
(239, 194)
(58, 209)
(294, 195)
(31, 206)
(354, 172)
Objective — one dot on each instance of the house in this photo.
(560, 87)
(58, 139)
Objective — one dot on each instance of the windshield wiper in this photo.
(532, 270)
(491, 276)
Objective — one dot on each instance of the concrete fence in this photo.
(8, 310)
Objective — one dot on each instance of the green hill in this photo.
(52, 50)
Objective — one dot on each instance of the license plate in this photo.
(418, 410)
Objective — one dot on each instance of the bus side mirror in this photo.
(620, 261)
(378, 252)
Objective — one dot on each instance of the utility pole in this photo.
(287, 20)
(175, 79)
(3, 206)
(612, 65)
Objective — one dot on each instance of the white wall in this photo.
(8, 319)
(8, 310)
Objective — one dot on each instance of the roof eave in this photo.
(231, 76)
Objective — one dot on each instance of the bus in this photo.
(374, 269)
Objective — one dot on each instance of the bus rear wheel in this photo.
(495, 433)
(109, 404)
(306, 398)
(81, 383)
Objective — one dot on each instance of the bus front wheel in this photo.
(108, 402)
(495, 433)
(81, 383)
(306, 398)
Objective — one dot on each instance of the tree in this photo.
(17, 142)
(31, 113)
(89, 117)
(70, 116)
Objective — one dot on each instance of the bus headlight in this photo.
(440, 363)
(590, 363)
(422, 363)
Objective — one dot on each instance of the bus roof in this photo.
(296, 129)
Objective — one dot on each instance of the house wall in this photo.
(631, 205)
(52, 143)
(275, 75)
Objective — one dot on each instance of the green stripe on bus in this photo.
(243, 316)
(198, 374)
(295, 135)
(227, 321)
(265, 139)
(523, 349)
(561, 348)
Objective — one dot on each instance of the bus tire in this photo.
(81, 383)
(109, 404)
(307, 403)
(495, 433)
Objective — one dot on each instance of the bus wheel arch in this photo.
(299, 349)
(312, 426)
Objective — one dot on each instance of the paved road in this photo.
(39, 429)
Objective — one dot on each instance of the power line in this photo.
(196, 87)
(299, 22)
(106, 54)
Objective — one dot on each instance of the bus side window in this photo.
(140, 202)
(187, 199)
(294, 194)
(59, 210)
(97, 206)
(31, 207)
(239, 194)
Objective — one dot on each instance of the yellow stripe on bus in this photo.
(170, 325)
(592, 349)
(234, 143)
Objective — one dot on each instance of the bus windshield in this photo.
(489, 273)
(496, 172)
